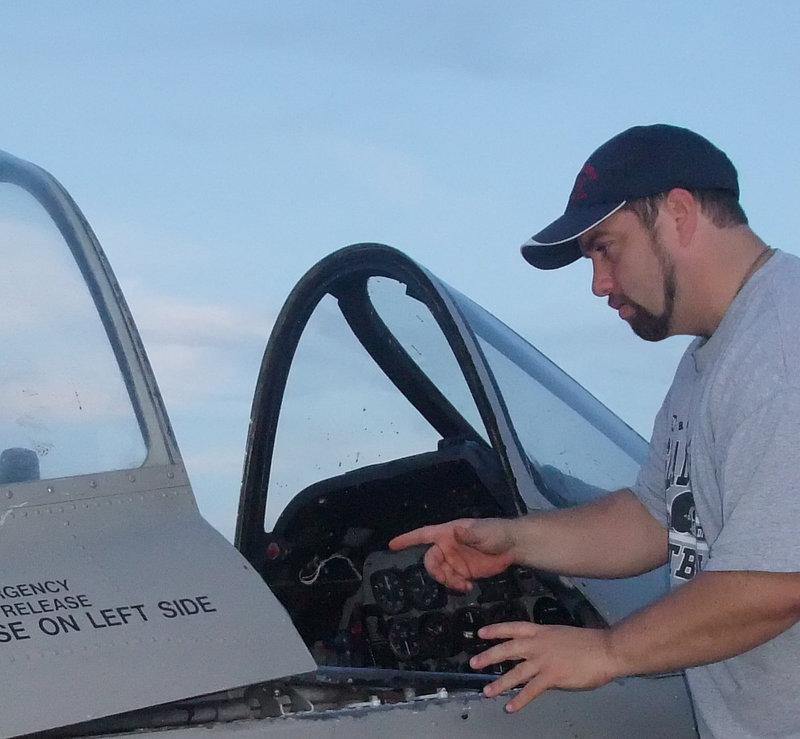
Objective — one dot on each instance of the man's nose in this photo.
(602, 281)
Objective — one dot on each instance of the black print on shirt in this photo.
(683, 516)
(687, 544)
(689, 561)
(677, 455)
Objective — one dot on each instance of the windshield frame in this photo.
(356, 263)
(106, 295)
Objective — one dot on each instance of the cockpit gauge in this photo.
(436, 634)
(423, 591)
(466, 622)
(547, 610)
(389, 590)
(505, 611)
(499, 587)
(404, 639)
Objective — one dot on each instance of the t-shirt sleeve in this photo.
(759, 477)
(649, 486)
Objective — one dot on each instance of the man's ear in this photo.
(683, 211)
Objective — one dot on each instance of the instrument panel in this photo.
(413, 622)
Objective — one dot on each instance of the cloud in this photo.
(199, 351)
(171, 320)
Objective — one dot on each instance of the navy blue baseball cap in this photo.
(637, 163)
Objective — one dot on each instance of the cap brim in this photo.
(557, 245)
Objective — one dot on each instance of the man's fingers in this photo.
(512, 649)
(455, 581)
(509, 630)
(509, 681)
(424, 535)
(442, 570)
(526, 673)
(453, 574)
(535, 687)
(522, 673)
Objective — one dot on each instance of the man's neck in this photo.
(721, 266)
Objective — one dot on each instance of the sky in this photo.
(219, 148)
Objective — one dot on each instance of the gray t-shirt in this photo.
(723, 476)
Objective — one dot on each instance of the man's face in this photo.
(635, 271)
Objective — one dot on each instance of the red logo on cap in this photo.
(585, 176)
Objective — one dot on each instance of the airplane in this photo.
(386, 400)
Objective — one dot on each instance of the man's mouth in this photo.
(625, 310)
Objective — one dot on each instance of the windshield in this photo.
(66, 409)
(339, 412)
(414, 327)
(580, 450)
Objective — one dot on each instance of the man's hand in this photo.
(463, 550)
(551, 657)
(714, 616)
(612, 537)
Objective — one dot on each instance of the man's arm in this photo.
(715, 616)
(613, 537)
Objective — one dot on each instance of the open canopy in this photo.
(111, 580)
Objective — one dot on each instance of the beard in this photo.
(645, 324)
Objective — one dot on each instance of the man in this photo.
(656, 211)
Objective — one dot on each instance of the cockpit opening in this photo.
(358, 605)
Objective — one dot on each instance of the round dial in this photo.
(547, 610)
(404, 638)
(502, 613)
(436, 634)
(466, 622)
(424, 592)
(389, 591)
(506, 611)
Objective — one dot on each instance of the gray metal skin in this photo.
(611, 711)
(128, 540)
